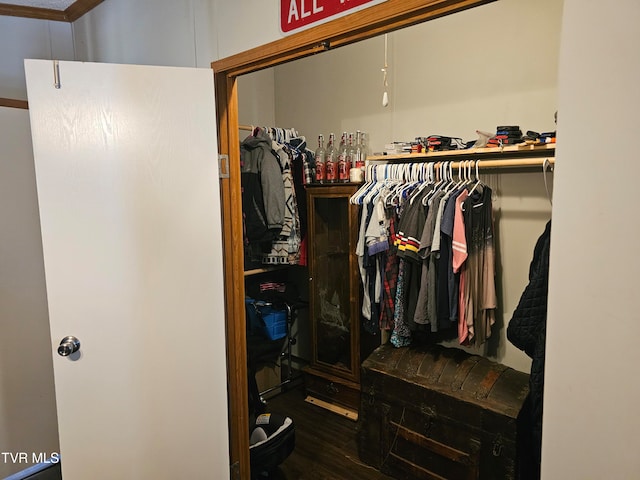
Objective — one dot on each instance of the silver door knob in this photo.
(68, 345)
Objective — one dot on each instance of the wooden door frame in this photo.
(382, 18)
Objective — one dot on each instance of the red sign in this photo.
(296, 14)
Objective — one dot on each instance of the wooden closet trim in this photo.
(13, 103)
(382, 18)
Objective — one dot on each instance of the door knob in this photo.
(68, 345)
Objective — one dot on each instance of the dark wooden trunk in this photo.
(439, 413)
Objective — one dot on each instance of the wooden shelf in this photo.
(510, 151)
(257, 271)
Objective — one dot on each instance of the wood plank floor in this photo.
(326, 447)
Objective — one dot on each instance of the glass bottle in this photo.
(351, 150)
(344, 162)
(320, 160)
(358, 153)
(364, 141)
(330, 160)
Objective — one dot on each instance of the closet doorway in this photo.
(272, 62)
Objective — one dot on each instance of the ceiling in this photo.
(60, 10)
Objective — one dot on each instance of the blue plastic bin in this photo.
(264, 319)
(275, 322)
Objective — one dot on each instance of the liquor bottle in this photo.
(356, 175)
(344, 162)
(330, 158)
(351, 151)
(364, 141)
(358, 153)
(320, 160)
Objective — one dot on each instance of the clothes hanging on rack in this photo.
(286, 247)
(390, 268)
(262, 189)
(303, 174)
(273, 162)
(431, 285)
(458, 257)
(480, 294)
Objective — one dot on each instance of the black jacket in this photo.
(527, 331)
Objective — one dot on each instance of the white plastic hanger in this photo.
(364, 188)
(546, 164)
(477, 179)
(426, 178)
(441, 169)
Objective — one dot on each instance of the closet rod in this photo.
(246, 127)
(541, 162)
(523, 162)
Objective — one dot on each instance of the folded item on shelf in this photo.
(442, 143)
(508, 128)
(504, 141)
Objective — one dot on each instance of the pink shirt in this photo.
(459, 246)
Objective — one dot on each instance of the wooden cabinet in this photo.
(338, 344)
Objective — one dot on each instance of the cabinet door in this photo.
(128, 191)
(334, 287)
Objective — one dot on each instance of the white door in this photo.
(127, 180)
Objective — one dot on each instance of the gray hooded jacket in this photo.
(263, 188)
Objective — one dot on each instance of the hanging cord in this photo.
(385, 69)
(546, 164)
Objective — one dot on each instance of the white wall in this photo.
(165, 32)
(151, 32)
(148, 32)
(256, 99)
(22, 38)
(27, 401)
(591, 426)
(244, 24)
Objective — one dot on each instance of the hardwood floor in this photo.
(326, 447)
